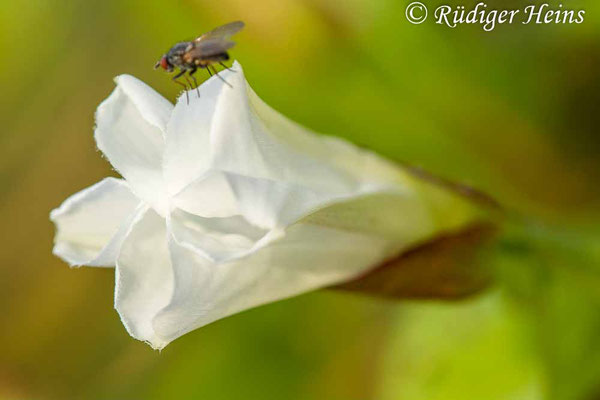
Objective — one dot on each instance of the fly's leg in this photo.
(226, 67)
(188, 82)
(220, 77)
(174, 79)
(192, 72)
(209, 73)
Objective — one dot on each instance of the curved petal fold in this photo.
(264, 202)
(91, 224)
(130, 126)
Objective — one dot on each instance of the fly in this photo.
(205, 51)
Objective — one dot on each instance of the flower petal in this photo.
(144, 277)
(130, 125)
(308, 257)
(231, 129)
(92, 223)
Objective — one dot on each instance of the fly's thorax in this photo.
(176, 53)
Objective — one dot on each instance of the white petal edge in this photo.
(144, 277)
(155, 109)
(91, 224)
(130, 126)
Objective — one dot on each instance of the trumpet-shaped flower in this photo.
(226, 205)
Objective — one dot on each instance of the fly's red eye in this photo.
(164, 63)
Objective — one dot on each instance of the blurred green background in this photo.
(514, 112)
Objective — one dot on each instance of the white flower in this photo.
(227, 205)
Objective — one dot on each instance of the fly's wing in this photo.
(223, 31)
(206, 49)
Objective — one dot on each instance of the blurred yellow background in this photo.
(514, 112)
